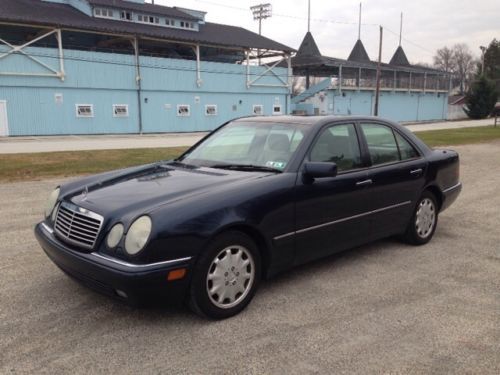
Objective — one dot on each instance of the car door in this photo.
(396, 176)
(330, 211)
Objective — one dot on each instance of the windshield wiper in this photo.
(246, 167)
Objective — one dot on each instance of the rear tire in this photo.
(424, 220)
(226, 276)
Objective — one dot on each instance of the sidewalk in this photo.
(14, 145)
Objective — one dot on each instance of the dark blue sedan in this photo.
(255, 197)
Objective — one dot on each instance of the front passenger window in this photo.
(338, 144)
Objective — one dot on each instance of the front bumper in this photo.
(119, 279)
(450, 195)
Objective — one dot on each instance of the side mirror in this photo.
(319, 170)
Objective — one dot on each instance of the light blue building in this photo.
(113, 66)
(407, 92)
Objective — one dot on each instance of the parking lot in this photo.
(382, 308)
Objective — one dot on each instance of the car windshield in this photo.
(248, 146)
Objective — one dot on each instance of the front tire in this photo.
(424, 220)
(226, 276)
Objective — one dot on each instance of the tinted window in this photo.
(381, 143)
(405, 148)
(338, 144)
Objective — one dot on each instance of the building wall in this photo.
(393, 105)
(46, 105)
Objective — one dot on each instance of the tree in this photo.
(492, 60)
(464, 65)
(444, 60)
(480, 99)
(458, 61)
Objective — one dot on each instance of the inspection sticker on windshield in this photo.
(276, 164)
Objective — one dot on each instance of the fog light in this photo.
(121, 293)
(176, 274)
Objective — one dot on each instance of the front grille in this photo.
(77, 225)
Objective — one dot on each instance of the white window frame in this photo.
(123, 15)
(120, 115)
(187, 114)
(150, 20)
(104, 13)
(276, 113)
(84, 105)
(255, 106)
(214, 106)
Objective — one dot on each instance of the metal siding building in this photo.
(65, 71)
(347, 87)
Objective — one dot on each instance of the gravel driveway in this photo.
(381, 308)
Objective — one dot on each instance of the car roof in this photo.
(308, 120)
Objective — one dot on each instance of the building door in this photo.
(341, 105)
(4, 125)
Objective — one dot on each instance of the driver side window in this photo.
(338, 144)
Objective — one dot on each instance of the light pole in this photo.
(260, 12)
(483, 50)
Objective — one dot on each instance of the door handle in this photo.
(416, 172)
(364, 182)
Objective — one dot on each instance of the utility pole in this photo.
(377, 91)
(261, 12)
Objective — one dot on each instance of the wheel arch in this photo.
(257, 237)
(437, 193)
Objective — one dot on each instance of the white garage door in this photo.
(4, 126)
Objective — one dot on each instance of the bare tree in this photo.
(458, 61)
(465, 65)
(444, 60)
(298, 85)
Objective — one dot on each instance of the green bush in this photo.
(481, 99)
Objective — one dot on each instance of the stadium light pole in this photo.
(261, 12)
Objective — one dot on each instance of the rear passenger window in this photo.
(381, 143)
(338, 144)
(405, 148)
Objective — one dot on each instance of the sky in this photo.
(427, 24)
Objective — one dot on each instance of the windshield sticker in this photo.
(276, 164)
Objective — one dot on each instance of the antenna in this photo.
(309, 15)
(400, 29)
(359, 26)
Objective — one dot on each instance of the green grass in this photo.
(450, 137)
(19, 167)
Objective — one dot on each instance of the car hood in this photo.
(148, 188)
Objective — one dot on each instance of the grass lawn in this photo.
(450, 137)
(18, 167)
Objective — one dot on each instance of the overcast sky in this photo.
(428, 24)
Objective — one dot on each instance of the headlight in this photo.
(51, 202)
(114, 236)
(138, 235)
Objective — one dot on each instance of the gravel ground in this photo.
(382, 308)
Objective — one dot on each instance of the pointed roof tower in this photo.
(308, 47)
(358, 53)
(399, 58)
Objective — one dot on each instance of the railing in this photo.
(400, 83)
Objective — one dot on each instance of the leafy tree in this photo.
(492, 60)
(480, 99)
